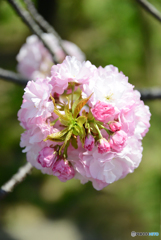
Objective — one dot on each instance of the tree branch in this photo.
(27, 19)
(150, 9)
(42, 22)
(13, 77)
(39, 19)
(146, 93)
(150, 93)
(16, 178)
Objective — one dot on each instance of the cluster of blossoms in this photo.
(34, 60)
(83, 122)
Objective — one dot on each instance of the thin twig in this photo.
(42, 22)
(27, 19)
(39, 19)
(150, 93)
(150, 8)
(13, 77)
(15, 179)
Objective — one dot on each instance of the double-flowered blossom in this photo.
(35, 61)
(83, 122)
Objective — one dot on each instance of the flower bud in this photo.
(47, 157)
(103, 146)
(118, 140)
(63, 170)
(89, 142)
(115, 126)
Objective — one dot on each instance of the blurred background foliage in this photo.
(109, 32)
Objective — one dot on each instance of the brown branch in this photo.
(27, 19)
(16, 178)
(42, 22)
(150, 93)
(146, 93)
(13, 77)
(39, 19)
(150, 9)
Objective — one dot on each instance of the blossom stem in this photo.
(72, 86)
(101, 126)
(99, 133)
(89, 130)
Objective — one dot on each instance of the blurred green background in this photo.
(109, 32)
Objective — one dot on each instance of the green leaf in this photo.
(79, 106)
(77, 94)
(81, 130)
(84, 113)
(82, 139)
(76, 130)
(74, 142)
(66, 148)
(75, 104)
(55, 139)
(68, 136)
(93, 129)
(65, 120)
(77, 97)
(67, 112)
(87, 126)
(90, 116)
(61, 116)
(53, 123)
(81, 120)
(57, 135)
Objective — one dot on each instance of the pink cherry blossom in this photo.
(118, 140)
(73, 50)
(102, 111)
(89, 142)
(114, 114)
(104, 169)
(71, 70)
(63, 170)
(111, 87)
(115, 126)
(47, 157)
(36, 99)
(35, 61)
(142, 117)
(103, 145)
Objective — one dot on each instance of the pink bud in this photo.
(47, 157)
(115, 126)
(63, 170)
(103, 146)
(118, 140)
(89, 142)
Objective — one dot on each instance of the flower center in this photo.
(109, 97)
